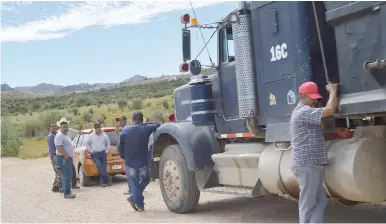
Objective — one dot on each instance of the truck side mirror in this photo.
(195, 67)
(185, 44)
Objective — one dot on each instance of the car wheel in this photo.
(83, 178)
(177, 183)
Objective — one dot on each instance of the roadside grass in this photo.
(33, 148)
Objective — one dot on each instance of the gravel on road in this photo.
(26, 197)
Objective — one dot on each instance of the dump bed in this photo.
(360, 34)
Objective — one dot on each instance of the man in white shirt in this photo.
(98, 144)
(64, 154)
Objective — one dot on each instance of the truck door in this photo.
(227, 72)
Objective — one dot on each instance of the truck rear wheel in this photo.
(178, 184)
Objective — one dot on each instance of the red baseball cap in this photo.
(311, 90)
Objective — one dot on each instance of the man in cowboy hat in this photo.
(309, 155)
(98, 144)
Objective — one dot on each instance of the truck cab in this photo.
(231, 133)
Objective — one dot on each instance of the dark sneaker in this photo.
(70, 196)
(55, 189)
(132, 204)
(75, 187)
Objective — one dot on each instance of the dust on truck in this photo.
(232, 128)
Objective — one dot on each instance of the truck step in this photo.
(238, 191)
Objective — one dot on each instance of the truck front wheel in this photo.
(178, 184)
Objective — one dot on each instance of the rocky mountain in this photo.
(7, 88)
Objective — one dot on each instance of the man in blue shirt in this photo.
(133, 147)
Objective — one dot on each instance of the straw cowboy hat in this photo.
(63, 119)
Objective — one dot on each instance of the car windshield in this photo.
(112, 137)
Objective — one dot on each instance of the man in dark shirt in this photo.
(133, 147)
(52, 153)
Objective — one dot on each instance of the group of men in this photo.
(61, 151)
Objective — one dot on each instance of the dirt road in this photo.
(26, 197)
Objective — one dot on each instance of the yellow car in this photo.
(85, 166)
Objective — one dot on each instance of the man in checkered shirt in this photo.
(309, 154)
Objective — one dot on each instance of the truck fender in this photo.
(198, 143)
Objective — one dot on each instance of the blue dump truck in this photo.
(231, 130)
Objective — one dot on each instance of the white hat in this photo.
(63, 119)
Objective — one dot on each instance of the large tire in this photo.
(83, 178)
(178, 184)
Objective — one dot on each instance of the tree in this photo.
(122, 104)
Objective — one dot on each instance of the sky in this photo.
(66, 43)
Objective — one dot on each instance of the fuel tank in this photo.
(357, 171)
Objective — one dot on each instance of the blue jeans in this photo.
(65, 166)
(138, 179)
(128, 182)
(312, 198)
(100, 160)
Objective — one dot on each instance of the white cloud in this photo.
(105, 14)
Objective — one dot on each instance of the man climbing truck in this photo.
(231, 130)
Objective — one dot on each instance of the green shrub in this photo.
(87, 117)
(75, 111)
(157, 117)
(122, 104)
(80, 101)
(10, 138)
(165, 104)
(51, 116)
(137, 104)
(32, 129)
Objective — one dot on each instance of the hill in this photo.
(97, 97)
(136, 78)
